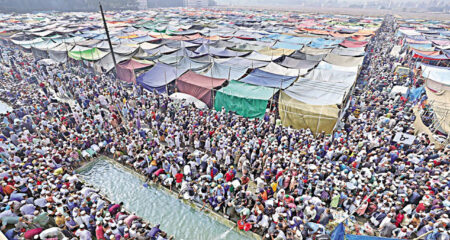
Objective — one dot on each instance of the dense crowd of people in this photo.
(279, 182)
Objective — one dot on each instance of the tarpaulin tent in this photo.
(349, 51)
(125, 70)
(429, 57)
(346, 61)
(439, 76)
(159, 76)
(220, 52)
(332, 75)
(304, 65)
(440, 103)
(242, 62)
(107, 63)
(247, 100)
(274, 53)
(278, 69)
(160, 50)
(324, 43)
(309, 57)
(326, 65)
(315, 51)
(297, 114)
(91, 54)
(59, 53)
(262, 78)
(188, 63)
(261, 57)
(199, 86)
(287, 45)
(353, 44)
(219, 70)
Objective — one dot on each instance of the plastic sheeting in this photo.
(438, 74)
(332, 75)
(318, 92)
(287, 45)
(278, 69)
(125, 70)
(354, 52)
(262, 78)
(199, 86)
(346, 61)
(299, 64)
(158, 77)
(219, 70)
(296, 114)
(242, 62)
(325, 65)
(245, 99)
(440, 103)
(92, 54)
(309, 57)
(220, 52)
(353, 44)
(261, 57)
(188, 63)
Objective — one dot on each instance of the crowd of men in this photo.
(279, 182)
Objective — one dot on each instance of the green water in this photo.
(155, 205)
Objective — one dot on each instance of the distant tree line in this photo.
(64, 5)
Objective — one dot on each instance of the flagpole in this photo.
(107, 35)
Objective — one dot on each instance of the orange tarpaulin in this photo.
(429, 53)
(365, 32)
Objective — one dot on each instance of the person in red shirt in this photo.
(178, 179)
(229, 176)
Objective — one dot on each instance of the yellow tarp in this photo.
(440, 103)
(299, 115)
(276, 52)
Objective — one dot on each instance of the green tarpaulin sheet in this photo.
(245, 99)
(92, 54)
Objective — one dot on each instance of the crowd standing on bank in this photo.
(277, 181)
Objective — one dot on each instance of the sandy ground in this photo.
(347, 11)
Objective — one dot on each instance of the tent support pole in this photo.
(107, 35)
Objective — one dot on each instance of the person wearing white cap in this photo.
(83, 234)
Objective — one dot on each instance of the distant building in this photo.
(196, 3)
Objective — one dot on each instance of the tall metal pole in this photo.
(107, 35)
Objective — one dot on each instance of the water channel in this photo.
(4, 108)
(155, 205)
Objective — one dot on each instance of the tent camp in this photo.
(345, 61)
(220, 70)
(158, 77)
(312, 104)
(303, 65)
(89, 54)
(262, 78)
(125, 70)
(242, 62)
(199, 86)
(278, 69)
(245, 99)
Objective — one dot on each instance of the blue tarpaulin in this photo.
(262, 78)
(338, 233)
(159, 76)
(360, 237)
(324, 43)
